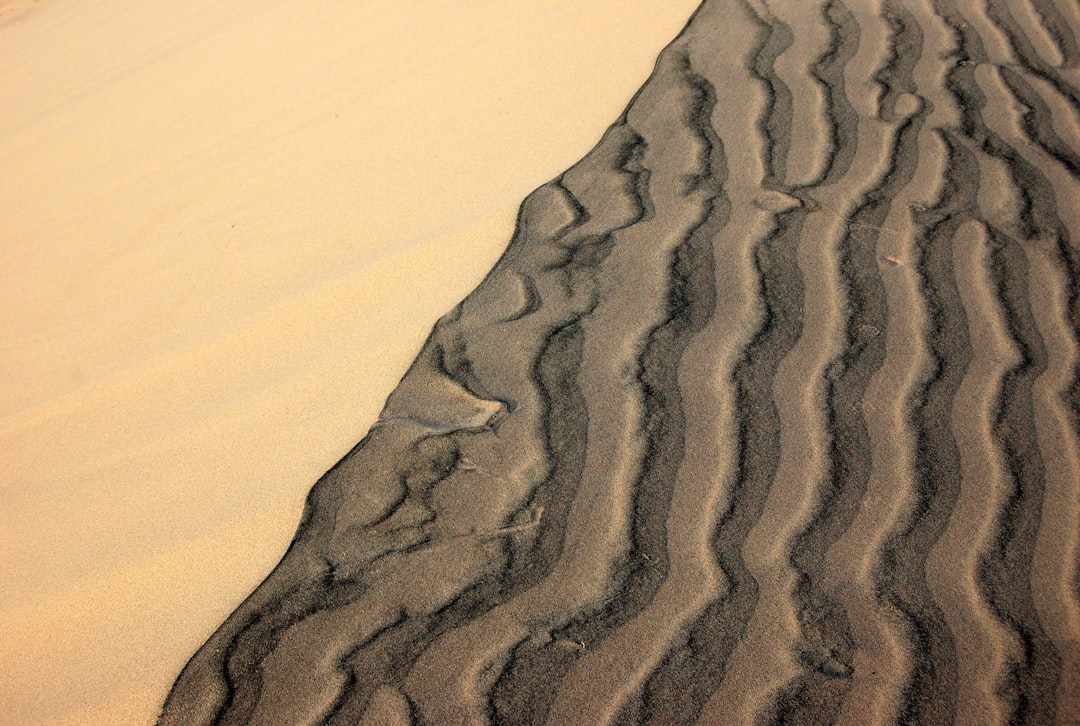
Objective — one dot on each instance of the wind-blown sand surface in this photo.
(766, 414)
(225, 230)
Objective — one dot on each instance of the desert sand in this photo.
(767, 413)
(226, 230)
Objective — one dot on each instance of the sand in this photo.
(766, 414)
(226, 232)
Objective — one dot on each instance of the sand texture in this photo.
(225, 231)
(767, 413)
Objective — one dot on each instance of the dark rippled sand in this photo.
(768, 414)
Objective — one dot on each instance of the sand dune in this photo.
(225, 230)
(767, 413)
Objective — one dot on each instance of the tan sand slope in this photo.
(225, 229)
(768, 413)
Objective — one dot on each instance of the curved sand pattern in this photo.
(766, 414)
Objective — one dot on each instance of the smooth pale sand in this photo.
(225, 229)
